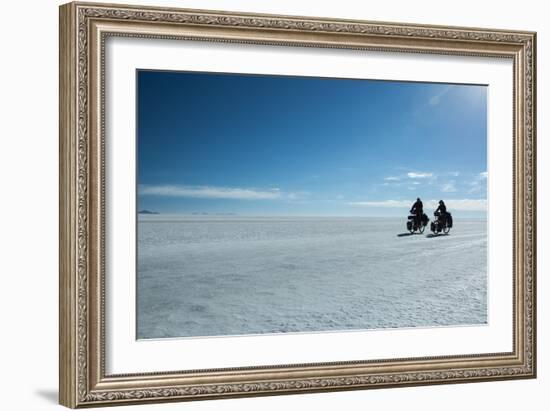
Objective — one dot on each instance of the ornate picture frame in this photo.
(84, 29)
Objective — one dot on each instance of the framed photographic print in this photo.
(258, 204)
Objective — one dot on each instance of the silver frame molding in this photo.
(83, 30)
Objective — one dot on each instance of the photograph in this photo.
(270, 204)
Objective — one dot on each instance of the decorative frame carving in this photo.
(83, 30)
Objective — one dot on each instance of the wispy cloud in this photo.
(229, 193)
(392, 178)
(436, 98)
(457, 204)
(419, 175)
(300, 195)
(449, 187)
(479, 183)
(385, 203)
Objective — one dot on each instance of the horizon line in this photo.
(201, 214)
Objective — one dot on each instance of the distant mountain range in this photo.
(147, 212)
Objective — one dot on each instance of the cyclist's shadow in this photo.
(406, 234)
(436, 235)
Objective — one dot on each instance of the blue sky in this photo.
(279, 145)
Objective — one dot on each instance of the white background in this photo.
(28, 206)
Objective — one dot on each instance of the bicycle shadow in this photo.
(407, 234)
(436, 235)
